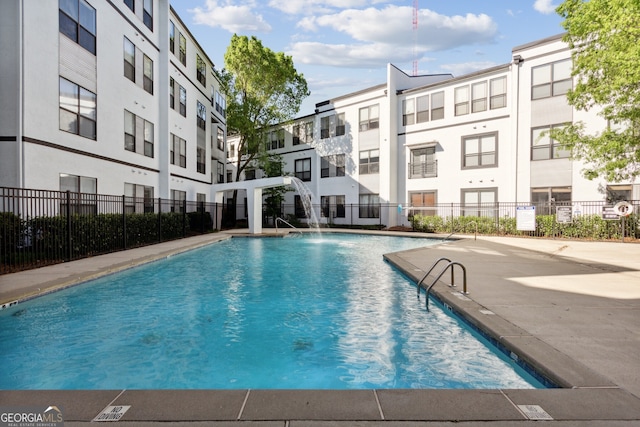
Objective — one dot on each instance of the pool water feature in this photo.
(261, 313)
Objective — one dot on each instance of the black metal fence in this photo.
(589, 220)
(42, 227)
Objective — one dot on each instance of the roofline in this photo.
(458, 79)
(348, 95)
(546, 40)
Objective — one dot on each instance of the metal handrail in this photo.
(282, 220)
(451, 264)
(475, 236)
(429, 272)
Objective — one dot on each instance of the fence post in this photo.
(68, 209)
(124, 223)
(184, 217)
(159, 219)
(452, 224)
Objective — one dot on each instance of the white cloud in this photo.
(392, 25)
(232, 17)
(348, 55)
(545, 6)
(311, 7)
(386, 35)
(467, 67)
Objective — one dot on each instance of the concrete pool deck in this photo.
(569, 308)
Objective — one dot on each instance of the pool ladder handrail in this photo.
(290, 225)
(451, 264)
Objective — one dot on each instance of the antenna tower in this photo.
(415, 37)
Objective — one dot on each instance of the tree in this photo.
(272, 165)
(604, 36)
(263, 89)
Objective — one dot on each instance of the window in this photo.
(201, 70)
(437, 106)
(147, 82)
(551, 79)
(220, 139)
(408, 112)
(178, 200)
(543, 147)
(369, 162)
(303, 169)
(131, 123)
(201, 119)
(423, 199)
(172, 37)
(77, 110)
(422, 109)
(462, 100)
(220, 171)
(324, 127)
(479, 97)
(221, 104)
(77, 20)
(275, 139)
(129, 131)
(83, 191)
(129, 60)
(369, 206)
(147, 14)
(201, 156)
(308, 132)
(249, 174)
(332, 126)
(619, 193)
(183, 49)
(332, 206)
(172, 97)
(423, 163)
(131, 4)
(148, 139)
(498, 95)
(332, 166)
(479, 202)
(178, 151)
(369, 118)
(480, 151)
(546, 199)
(183, 101)
(138, 198)
(340, 124)
(303, 133)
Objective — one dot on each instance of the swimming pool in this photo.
(287, 313)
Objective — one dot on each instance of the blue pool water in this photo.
(260, 313)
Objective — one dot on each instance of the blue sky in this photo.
(342, 46)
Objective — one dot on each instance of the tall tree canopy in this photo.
(604, 36)
(262, 88)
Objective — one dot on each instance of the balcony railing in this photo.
(423, 170)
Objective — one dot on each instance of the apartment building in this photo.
(110, 97)
(424, 141)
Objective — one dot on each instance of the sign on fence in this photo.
(563, 214)
(609, 213)
(526, 218)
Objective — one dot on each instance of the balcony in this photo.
(423, 170)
